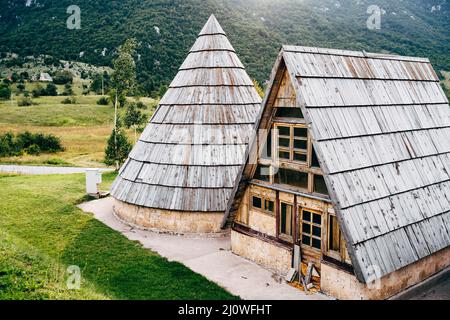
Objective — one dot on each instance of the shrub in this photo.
(26, 102)
(38, 91)
(31, 143)
(67, 90)
(103, 101)
(51, 90)
(20, 87)
(69, 100)
(33, 150)
(141, 105)
(63, 77)
(56, 162)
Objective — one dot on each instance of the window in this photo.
(256, 202)
(311, 229)
(263, 204)
(314, 160)
(293, 143)
(289, 113)
(267, 148)
(334, 234)
(293, 178)
(269, 206)
(262, 173)
(286, 220)
(319, 185)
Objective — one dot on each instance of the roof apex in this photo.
(212, 26)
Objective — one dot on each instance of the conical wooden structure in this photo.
(181, 172)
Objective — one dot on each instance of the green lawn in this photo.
(42, 232)
(83, 128)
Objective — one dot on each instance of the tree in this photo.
(101, 83)
(124, 75)
(258, 88)
(15, 77)
(25, 75)
(5, 91)
(38, 91)
(134, 118)
(51, 90)
(20, 87)
(118, 147)
(123, 78)
(68, 91)
(63, 77)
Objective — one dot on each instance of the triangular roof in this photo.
(380, 126)
(189, 156)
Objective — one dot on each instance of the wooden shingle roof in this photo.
(189, 155)
(380, 126)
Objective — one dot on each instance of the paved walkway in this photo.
(210, 257)
(36, 170)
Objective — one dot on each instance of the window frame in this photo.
(281, 235)
(312, 225)
(329, 233)
(292, 139)
(264, 206)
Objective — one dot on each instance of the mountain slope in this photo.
(256, 28)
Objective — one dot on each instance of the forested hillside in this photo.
(257, 28)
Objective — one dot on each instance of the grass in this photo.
(83, 128)
(42, 233)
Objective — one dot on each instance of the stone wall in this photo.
(267, 255)
(345, 286)
(262, 222)
(169, 221)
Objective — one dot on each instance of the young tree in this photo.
(134, 118)
(5, 91)
(51, 90)
(123, 80)
(118, 147)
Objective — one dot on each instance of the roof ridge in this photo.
(355, 53)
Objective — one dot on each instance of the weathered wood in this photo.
(380, 126)
(189, 156)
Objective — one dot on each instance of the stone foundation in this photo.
(267, 255)
(169, 221)
(345, 286)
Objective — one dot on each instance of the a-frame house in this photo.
(351, 164)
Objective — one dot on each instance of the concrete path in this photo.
(36, 170)
(210, 257)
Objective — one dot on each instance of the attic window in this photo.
(292, 143)
(320, 185)
(289, 113)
